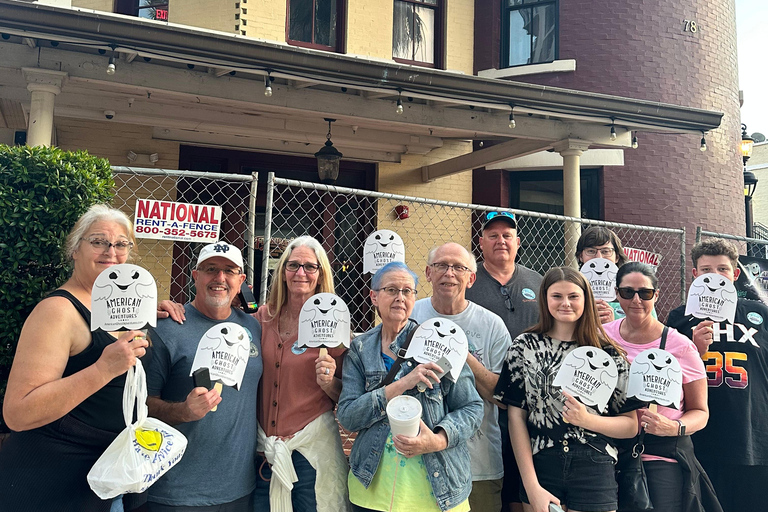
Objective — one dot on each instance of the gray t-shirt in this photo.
(219, 464)
(489, 341)
(522, 310)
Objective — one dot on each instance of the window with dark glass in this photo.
(417, 32)
(529, 32)
(316, 23)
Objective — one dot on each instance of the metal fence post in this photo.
(267, 237)
(698, 234)
(251, 232)
(682, 265)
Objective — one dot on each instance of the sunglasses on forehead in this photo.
(493, 215)
(628, 293)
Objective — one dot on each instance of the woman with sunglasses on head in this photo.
(433, 473)
(65, 390)
(675, 478)
(299, 390)
(601, 242)
(564, 451)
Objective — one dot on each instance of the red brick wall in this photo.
(640, 50)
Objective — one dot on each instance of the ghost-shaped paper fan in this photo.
(712, 296)
(439, 337)
(382, 247)
(124, 297)
(655, 377)
(601, 274)
(224, 349)
(589, 374)
(324, 322)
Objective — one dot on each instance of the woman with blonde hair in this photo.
(299, 390)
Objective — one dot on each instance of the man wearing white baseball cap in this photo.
(217, 471)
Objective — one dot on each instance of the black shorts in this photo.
(581, 477)
(510, 491)
(738, 488)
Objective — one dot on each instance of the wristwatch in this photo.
(680, 428)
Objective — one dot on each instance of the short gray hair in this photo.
(96, 213)
(471, 259)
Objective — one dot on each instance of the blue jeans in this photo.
(303, 494)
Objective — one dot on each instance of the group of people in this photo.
(499, 437)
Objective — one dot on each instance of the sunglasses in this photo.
(507, 299)
(629, 293)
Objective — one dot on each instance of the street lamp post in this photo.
(750, 180)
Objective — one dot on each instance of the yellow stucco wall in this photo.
(96, 5)
(428, 226)
(210, 14)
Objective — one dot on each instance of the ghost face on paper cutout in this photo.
(324, 322)
(712, 296)
(124, 297)
(224, 349)
(753, 269)
(590, 374)
(382, 247)
(436, 338)
(601, 274)
(656, 377)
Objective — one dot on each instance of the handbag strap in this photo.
(400, 358)
(664, 338)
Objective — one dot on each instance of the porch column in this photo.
(44, 85)
(571, 151)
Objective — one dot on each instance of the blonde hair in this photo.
(96, 213)
(278, 291)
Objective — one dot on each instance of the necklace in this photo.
(288, 329)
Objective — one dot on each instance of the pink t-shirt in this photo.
(679, 346)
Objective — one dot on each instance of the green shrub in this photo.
(43, 191)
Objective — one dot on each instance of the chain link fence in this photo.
(341, 219)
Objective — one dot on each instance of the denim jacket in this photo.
(454, 407)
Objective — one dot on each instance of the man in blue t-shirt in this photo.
(217, 472)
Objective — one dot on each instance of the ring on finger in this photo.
(327, 371)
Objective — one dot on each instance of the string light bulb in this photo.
(703, 145)
(399, 108)
(268, 86)
(111, 66)
(613, 132)
(512, 122)
(634, 141)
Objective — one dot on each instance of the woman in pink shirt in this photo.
(675, 478)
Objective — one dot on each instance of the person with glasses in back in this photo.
(601, 242)
(298, 392)
(217, 471)
(451, 271)
(676, 481)
(65, 390)
(509, 290)
(428, 472)
(733, 447)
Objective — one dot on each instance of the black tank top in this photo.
(103, 409)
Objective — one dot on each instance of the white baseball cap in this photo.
(222, 250)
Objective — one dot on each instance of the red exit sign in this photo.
(161, 14)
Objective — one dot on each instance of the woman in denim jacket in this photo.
(437, 459)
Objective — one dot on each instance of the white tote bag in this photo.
(141, 453)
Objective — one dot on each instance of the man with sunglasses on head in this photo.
(732, 448)
(451, 271)
(217, 472)
(509, 290)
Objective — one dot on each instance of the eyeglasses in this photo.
(442, 268)
(309, 268)
(629, 293)
(507, 299)
(99, 244)
(394, 292)
(493, 215)
(605, 251)
(214, 271)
